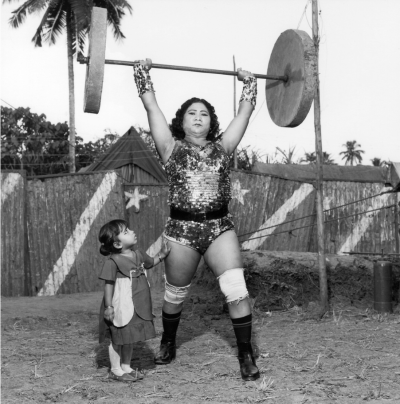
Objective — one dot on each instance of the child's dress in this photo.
(133, 316)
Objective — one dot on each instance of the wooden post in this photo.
(71, 87)
(323, 281)
(29, 289)
(234, 110)
(396, 224)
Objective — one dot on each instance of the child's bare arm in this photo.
(165, 250)
(108, 295)
(161, 255)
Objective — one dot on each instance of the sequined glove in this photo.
(142, 79)
(249, 92)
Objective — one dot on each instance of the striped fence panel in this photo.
(14, 268)
(362, 226)
(64, 217)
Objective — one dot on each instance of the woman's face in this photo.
(196, 121)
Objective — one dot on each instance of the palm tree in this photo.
(377, 162)
(352, 153)
(311, 158)
(73, 16)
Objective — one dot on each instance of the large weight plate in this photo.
(293, 55)
(95, 67)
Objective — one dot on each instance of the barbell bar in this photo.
(85, 60)
(289, 95)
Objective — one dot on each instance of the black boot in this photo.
(166, 353)
(167, 350)
(248, 367)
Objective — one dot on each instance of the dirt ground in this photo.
(50, 352)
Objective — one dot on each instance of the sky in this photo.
(358, 64)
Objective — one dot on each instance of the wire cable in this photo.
(313, 224)
(303, 13)
(314, 214)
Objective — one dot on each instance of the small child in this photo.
(126, 310)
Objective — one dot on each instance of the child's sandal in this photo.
(126, 377)
(137, 374)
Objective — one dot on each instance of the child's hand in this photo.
(109, 314)
(165, 249)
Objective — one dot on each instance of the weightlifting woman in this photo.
(196, 160)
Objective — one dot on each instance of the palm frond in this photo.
(114, 19)
(56, 22)
(19, 15)
(78, 39)
(120, 5)
(82, 39)
(115, 12)
(37, 38)
(81, 11)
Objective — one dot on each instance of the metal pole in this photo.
(323, 281)
(85, 60)
(235, 165)
(196, 69)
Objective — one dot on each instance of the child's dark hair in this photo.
(176, 123)
(108, 236)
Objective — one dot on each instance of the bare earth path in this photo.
(50, 354)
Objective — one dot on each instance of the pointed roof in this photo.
(130, 149)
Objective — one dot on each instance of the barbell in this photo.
(290, 78)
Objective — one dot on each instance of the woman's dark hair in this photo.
(176, 123)
(108, 236)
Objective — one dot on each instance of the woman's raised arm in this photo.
(236, 129)
(158, 125)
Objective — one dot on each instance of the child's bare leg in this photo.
(126, 356)
(115, 358)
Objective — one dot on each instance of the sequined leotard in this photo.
(198, 178)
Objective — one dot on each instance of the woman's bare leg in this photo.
(224, 258)
(180, 267)
(222, 255)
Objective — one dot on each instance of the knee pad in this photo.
(175, 294)
(233, 285)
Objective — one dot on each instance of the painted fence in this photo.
(64, 217)
(360, 227)
(14, 265)
(64, 214)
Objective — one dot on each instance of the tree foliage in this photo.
(288, 156)
(352, 154)
(29, 141)
(378, 162)
(312, 158)
(88, 153)
(246, 158)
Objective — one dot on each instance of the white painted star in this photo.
(134, 199)
(238, 192)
